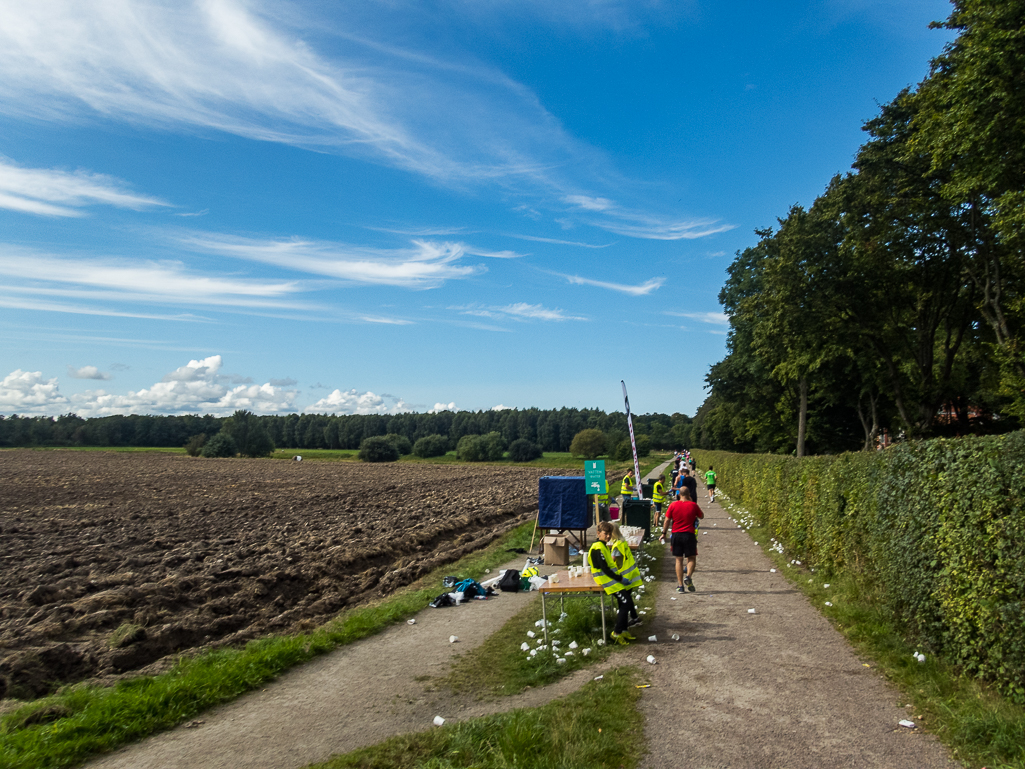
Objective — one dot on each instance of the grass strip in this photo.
(500, 666)
(82, 721)
(978, 725)
(598, 727)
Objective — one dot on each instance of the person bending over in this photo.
(612, 581)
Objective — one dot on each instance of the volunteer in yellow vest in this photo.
(615, 583)
(628, 487)
(627, 566)
(658, 496)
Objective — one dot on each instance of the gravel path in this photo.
(777, 688)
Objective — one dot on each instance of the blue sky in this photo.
(383, 206)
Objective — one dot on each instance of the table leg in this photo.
(544, 617)
(602, 599)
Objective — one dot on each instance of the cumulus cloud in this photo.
(197, 387)
(439, 407)
(51, 192)
(354, 402)
(26, 392)
(87, 372)
(500, 407)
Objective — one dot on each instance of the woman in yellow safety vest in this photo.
(613, 581)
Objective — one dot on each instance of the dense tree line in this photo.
(896, 300)
(552, 430)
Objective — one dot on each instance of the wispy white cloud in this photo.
(52, 192)
(715, 318)
(641, 290)
(517, 311)
(500, 407)
(558, 242)
(639, 224)
(98, 285)
(251, 69)
(424, 264)
(588, 203)
(87, 372)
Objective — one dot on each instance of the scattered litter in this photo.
(920, 657)
(756, 543)
(533, 652)
(585, 652)
(865, 665)
(599, 678)
(560, 660)
(673, 598)
(531, 634)
(750, 611)
(829, 603)
(643, 686)
(525, 646)
(642, 612)
(651, 660)
(907, 724)
(194, 724)
(601, 642)
(675, 636)
(772, 570)
(410, 621)
(573, 644)
(653, 638)
(453, 639)
(570, 654)
(439, 721)
(826, 585)
(556, 643)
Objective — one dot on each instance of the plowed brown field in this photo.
(111, 562)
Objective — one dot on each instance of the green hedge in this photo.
(937, 526)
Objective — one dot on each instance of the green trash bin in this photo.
(637, 512)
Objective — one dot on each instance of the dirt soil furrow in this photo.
(115, 563)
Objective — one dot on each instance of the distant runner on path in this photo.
(710, 479)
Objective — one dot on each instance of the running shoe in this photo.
(628, 635)
(690, 585)
(620, 638)
(634, 621)
(679, 589)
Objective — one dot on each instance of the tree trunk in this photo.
(802, 419)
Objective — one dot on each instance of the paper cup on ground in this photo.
(653, 638)
(410, 621)
(439, 721)
(651, 659)
(453, 639)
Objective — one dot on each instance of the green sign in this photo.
(594, 476)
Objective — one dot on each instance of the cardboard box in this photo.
(556, 550)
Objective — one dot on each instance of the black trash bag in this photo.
(510, 581)
(443, 600)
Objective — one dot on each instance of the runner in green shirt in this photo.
(710, 478)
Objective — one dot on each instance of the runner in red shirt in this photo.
(681, 516)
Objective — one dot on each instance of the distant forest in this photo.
(552, 430)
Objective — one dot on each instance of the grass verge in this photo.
(82, 721)
(500, 666)
(598, 727)
(980, 727)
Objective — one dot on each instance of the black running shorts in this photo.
(684, 544)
